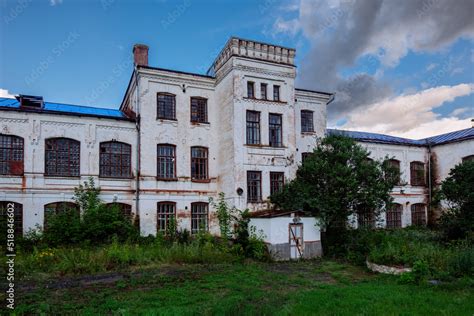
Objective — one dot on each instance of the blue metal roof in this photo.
(67, 109)
(387, 139)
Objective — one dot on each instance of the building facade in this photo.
(180, 138)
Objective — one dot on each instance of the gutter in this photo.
(331, 98)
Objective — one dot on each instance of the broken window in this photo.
(275, 130)
(307, 121)
(250, 90)
(253, 128)
(166, 162)
(166, 106)
(124, 209)
(263, 91)
(365, 217)
(11, 155)
(198, 110)
(17, 217)
(62, 157)
(418, 214)
(199, 163)
(166, 216)
(417, 173)
(57, 208)
(199, 217)
(276, 93)
(115, 160)
(277, 180)
(394, 216)
(254, 186)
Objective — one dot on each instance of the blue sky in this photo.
(79, 52)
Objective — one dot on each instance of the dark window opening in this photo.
(62, 157)
(166, 217)
(199, 163)
(395, 165)
(115, 160)
(166, 161)
(394, 216)
(254, 186)
(166, 106)
(365, 217)
(17, 218)
(418, 214)
(124, 209)
(307, 121)
(199, 217)
(253, 128)
(11, 155)
(417, 173)
(250, 90)
(276, 93)
(275, 130)
(57, 208)
(198, 110)
(277, 181)
(263, 91)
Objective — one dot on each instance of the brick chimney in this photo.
(140, 54)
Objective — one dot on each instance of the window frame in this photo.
(276, 183)
(254, 184)
(250, 90)
(125, 150)
(163, 217)
(173, 160)
(199, 110)
(366, 217)
(252, 129)
(69, 174)
(393, 216)
(308, 117)
(125, 209)
(416, 179)
(173, 105)
(196, 217)
(418, 214)
(272, 126)
(263, 91)
(64, 206)
(396, 163)
(196, 162)
(14, 152)
(17, 216)
(276, 93)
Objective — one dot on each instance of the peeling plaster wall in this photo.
(449, 155)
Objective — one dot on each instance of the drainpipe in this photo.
(429, 183)
(138, 147)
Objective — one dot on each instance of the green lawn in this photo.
(302, 288)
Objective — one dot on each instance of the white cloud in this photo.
(412, 115)
(457, 70)
(288, 27)
(431, 66)
(5, 94)
(55, 2)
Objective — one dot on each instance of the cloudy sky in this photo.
(403, 68)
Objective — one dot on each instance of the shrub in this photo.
(63, 228)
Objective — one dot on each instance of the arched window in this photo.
(417, 173)
(199, 216)
(57, 208)
(165, 215)
(394, 216)
(125, 209)
(17, 217)
(365, 217)
(395, 165)
(115, 160)
(11, 155)
(62, 157)
(166, 106)
(418, 214)
(199, 163)
(468, 158)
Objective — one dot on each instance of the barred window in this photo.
(263, 91)
(395, 165)
(305, 156)
(199, 163)
(125, 209)
(276, 93)
(277, 180)
(11, 155)
(418, 214)
(198, 110)
(417, 173)
(115, 160)
(394, 216)
(468, 158)
(253, 128)
(365, 217)
(275, 130)
(307, 121)
(166, 215)
(199, 217)
(166, 106)
(17, 218)
(166, 161)
(62, 157)
(250, 90)
(57, 208)
(254, 186)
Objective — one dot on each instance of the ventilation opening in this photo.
(30, 101)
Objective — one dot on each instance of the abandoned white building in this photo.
(180, 138)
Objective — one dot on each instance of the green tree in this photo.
(457, 190)
(334, 182)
